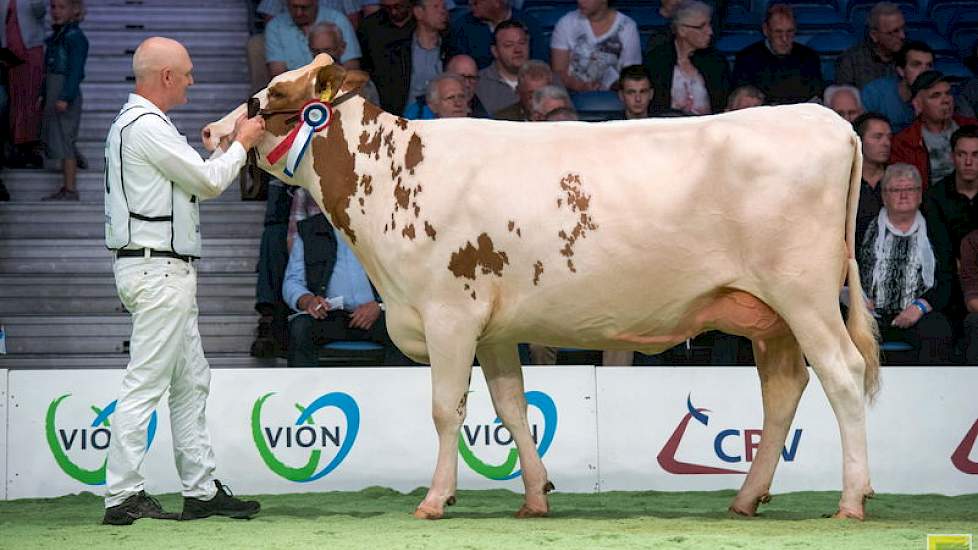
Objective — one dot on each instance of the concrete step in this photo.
(33, 185)
(105, 334)
(103, 42)
(96, 295)
(159, 17)
(87, 220)
(93, 148)
(120, 360)
(118, 68)
(209, 97)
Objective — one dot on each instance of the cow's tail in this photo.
(861, 324)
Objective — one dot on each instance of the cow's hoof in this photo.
(426, 511)
(527, 511)
(848, 513)
(450, 501)
(748, 508)
(549, 487)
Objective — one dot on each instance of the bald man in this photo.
(154, 182)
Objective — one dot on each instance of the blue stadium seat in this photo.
(965, 40)
(739, 18)
(646, 17)
(828, 68)
(732, 42)
(858, 11)
(824, 43)
(930, 36)
(953, 68)
(593, 106)
(818, 16)
(942, 12)
(548, 15)
(962, 29)
(895, 346)
(353, 345)
(351, 352)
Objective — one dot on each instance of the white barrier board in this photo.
(677, 429)
(3, 434)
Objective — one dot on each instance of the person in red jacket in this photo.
(926, 143)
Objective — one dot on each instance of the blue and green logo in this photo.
(305, 433)
(91, 438)
(496, 434)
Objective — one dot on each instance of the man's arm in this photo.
(294, 285)
(275, 51)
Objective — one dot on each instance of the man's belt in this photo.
(149, 253)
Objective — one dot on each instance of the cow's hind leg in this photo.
(784, 376)
(451, 347)
(504, 376)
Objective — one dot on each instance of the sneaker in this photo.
(223, 504)
(70, 195)
(4, 194)
(136, 507)
(56, 196)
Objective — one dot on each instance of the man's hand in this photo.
(908, 317)
(247, 131)
(365, 316)
(60, 106)
(317, 306)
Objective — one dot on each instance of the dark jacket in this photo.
(711, 64)
(386, 51)
(319, 247)
(792, 78)
(945, 206)
(909, 147)
(471, 36)
(65, 54)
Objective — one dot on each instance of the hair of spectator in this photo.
(78, 6)
(432, 96)
(746, 90)
(783, 10)
(968, 131)
(900, 58)
(534, 69)
(634, 72)
(562, 113)
(327, 27)
(900, 171)
(861, 123)
(879, 11)
(689, 9)
(550, 92)
(509, 24)
(834, 89)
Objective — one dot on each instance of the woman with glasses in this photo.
(687, 74)
(906, 269)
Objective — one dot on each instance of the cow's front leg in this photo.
(451, 350)
(504, 376)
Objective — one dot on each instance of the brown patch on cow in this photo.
(578, 201)
(519, 233)
(408, 231)
(414, 155)
(417, 189)
(385, 228)
(370, 113)
(361, 201)
(370, 145)
(467, 286)
(402, 196)
(537, 271)
(389, 143)
(402, 123)
(336, 167)
(511, 225)
(560, 202)
(429, 230)
(366, 181)
(417, 210)
(473, 295)
(466, 259)
(460, 411)
(290, 97)
(396, 171)
(393, 223)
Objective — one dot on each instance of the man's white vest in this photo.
(175, 223)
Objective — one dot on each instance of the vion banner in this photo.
(3, 434)
(694, 428)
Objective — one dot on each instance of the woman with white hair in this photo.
(906, 268)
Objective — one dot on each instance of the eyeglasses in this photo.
(900, 190)
(699, 27)
(470, 77)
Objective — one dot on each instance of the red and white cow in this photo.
(631, 235)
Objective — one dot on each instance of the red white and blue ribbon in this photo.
(314, 116)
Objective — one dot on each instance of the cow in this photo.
(627, 235)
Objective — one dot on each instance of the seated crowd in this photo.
(917, 224)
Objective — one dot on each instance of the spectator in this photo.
(464, 66)
(967, 102)
(890, 95)
(416, 61)
(22, 36)
(953, 201)
(64, 63)
(905, 264)
(4, 123)
(667, 9)
(547, 99)
(688, 75)
(561, 114)
(533, 75)
(875, 133)
(497, 82)
(287, 37)
(268, 9)
(744, 97)
(969, 284)
(844, 100)
(386, 38)
(326, 284)
(447, 97)
(472, 32)
(926, 144)
(635, 91)
(873, 57)
(591, 44)
(787, 72)
(328, 39)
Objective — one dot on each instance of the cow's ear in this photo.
(328, 81)
(354, 81)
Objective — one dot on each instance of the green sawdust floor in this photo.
(381, 518)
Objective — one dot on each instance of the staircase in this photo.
(57, 295)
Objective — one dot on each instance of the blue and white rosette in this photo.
(315, 116)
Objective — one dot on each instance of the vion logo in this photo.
(487, 438)
(87, 442)
(729, 445)
(307, 438)
(960, 458)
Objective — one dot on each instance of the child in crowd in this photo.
(64, 69)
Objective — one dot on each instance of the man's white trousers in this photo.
(165, 353)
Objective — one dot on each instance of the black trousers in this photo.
(931, 338)
(308, 334)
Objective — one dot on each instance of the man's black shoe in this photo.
(223, 504)
(136, 507)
